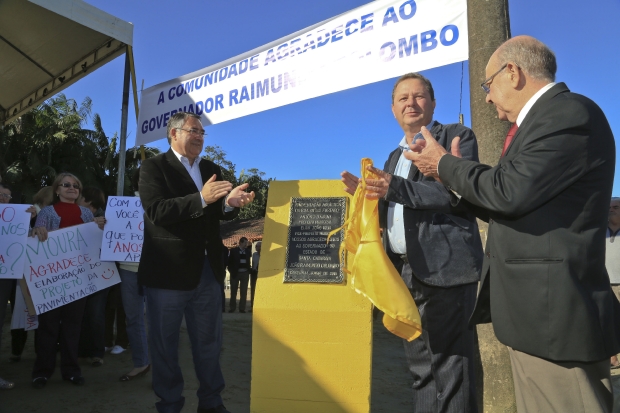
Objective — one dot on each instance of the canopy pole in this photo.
(123, 141)
(135, 94)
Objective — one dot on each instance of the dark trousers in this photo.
(253, 279)
(92, 337)
(114, 312)
(19, 336)
(203, 315)
(240, 282)
(60, 325)
(223, 291)
(441, 361)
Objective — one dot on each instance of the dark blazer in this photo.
(443, 241)
(544, 280)
(177, 229)
(233, 261)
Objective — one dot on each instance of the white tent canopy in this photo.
(47, 45)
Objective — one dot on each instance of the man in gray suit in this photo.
(436, 247)
(544, 283)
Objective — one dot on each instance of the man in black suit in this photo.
(437, 250)
(239, 269)
(184, 198)
(544, 283)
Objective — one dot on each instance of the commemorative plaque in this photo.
(309, 258)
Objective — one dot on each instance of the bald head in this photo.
(533, 57)
(518, 69)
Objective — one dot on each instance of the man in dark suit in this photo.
(184, 198)
(239, 269)
(544, 283)
(436, 247)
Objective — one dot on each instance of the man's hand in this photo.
(214, 190)
(426, 156)
(350, 181)
(455, 147)
(238, 198)
(377, 188)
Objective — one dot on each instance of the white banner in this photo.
(66, 267)
(377, 41)
(14, 225)
(124, 229)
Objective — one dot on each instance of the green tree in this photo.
(253, 176)
(51, 139)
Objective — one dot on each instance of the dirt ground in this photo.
(103, 393)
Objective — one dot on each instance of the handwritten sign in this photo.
(21, 317)
(14, 224)
(66, 267)
(124, 230)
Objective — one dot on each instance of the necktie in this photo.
(509, 136)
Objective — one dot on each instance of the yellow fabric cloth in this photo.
(372, 272)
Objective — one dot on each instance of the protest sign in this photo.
(124, 229)
(14, 224)
(21, 317)
(66, 267)
(374, 42)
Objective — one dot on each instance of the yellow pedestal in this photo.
(311, 343)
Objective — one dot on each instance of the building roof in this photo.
(252, 229)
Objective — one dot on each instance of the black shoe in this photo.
(218, 409)
(39, 382)
(77, 380)
(231, 311)
(242, 311)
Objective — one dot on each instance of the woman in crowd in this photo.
(7, 286)
(61, 325)
(92, 337)
(133, 302)
(41, 199)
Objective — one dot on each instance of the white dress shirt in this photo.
(531, 102)
(193, 171)
(395, 221)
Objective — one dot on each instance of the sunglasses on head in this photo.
(68, 185)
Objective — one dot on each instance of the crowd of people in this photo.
(541, 279)
(110, 320)
(75, 329)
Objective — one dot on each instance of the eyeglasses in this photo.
(68, 185)
(5, 196)
(194, 131)
(485, 85)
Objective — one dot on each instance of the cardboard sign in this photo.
(66, 267)
(124, 230)
(14, 224)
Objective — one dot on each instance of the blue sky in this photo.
(318, 138)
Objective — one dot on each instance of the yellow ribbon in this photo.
(372, 273)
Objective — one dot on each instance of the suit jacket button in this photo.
(491, 221)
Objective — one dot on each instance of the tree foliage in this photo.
(252, 176)
(52, 139)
